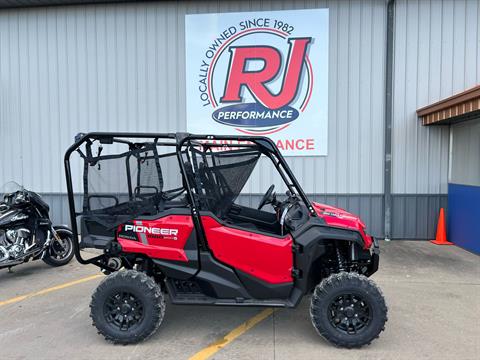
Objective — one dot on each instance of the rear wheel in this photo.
(348, 310)
(127, 307)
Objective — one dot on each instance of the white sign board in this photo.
(260, 73)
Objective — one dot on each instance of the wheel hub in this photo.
(60, 248)
(126, 308)
(123, 310)
(349, 313)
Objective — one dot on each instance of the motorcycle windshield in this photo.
(10, 187)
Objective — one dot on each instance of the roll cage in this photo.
(181, 143)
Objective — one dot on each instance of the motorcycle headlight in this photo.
(20, 198)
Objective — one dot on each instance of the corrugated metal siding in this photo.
(65, 70)
(437, 54)
(416, 216)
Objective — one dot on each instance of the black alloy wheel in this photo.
(348, 310)
(127, 307)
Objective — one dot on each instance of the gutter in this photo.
(387, 185)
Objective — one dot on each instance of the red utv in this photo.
(165, 213)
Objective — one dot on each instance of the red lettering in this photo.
(280, 145)
(300, 144)
(255, 81)
(310, 144)
(289, 144)
(296, 144)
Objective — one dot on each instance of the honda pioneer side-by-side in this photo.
(166, 215)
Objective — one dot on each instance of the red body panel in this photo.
(166, 242)
(342, 219)
(265, 257)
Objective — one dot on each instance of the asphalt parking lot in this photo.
(433, 295)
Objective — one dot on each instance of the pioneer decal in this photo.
(260, 73)
(151, 230)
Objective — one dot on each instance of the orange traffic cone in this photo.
(441, 238)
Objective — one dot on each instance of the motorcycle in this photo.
(26, 232)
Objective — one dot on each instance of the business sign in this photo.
(260, 73)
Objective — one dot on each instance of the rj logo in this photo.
(256, 80)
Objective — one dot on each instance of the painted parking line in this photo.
(232, 335)
(49, 290)
(203, 354)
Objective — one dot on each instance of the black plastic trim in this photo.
(262, 290)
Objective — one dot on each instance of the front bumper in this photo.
(375, 257)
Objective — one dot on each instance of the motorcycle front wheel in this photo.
(60, 252)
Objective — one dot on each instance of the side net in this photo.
(122, 186)
(218, 177)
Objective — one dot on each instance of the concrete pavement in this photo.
(433, 295)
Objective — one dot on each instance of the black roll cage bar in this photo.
(266, 145)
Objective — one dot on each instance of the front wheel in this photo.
(60, 251)
(348, 310)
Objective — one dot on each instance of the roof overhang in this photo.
(456, 108)
(4, 4)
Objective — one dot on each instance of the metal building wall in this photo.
(65, 70)
(437, 54)
(121, 67)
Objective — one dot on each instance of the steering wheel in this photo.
(267, 198)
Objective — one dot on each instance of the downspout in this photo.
(387, 186)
